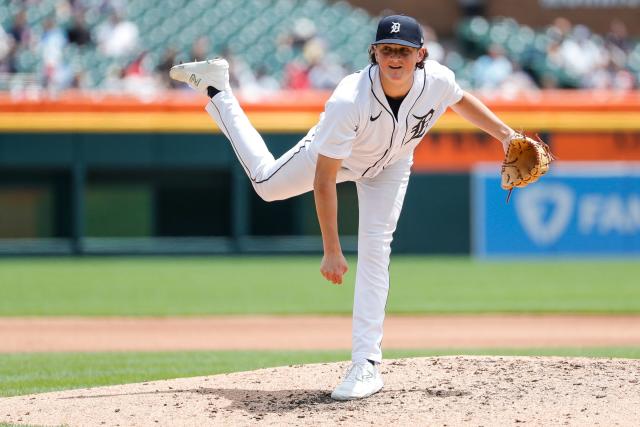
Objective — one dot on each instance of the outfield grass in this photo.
(293, 285)
(40, 372)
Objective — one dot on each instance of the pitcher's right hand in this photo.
(333, 267)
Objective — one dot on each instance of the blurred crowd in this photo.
(571, 57)
(47, 45)
(591, 60)
(597, 62)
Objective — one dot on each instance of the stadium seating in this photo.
(253, 31)
(524, 46)
(242, 26)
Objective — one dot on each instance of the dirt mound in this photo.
(436, 391)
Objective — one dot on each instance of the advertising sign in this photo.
(576, 209)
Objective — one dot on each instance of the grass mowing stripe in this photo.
(293, 285)
(41, 372)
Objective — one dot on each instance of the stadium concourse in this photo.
(111, 45)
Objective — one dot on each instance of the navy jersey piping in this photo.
(281, 166)
(424, 84)
(392, 132)
(240, 158)
(233, 146)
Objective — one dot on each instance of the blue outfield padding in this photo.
(577, 209)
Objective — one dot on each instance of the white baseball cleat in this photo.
(362, 379)
(202, 74)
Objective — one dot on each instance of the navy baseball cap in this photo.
(399, 29)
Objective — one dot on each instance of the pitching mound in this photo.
(436, 390)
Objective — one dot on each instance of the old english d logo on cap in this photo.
(399, 29)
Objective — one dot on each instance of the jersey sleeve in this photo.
(337, 129)
(455, 91)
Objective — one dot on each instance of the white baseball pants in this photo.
(380, 201)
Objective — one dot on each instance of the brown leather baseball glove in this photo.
(525, 162)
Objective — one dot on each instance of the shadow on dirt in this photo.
(283, 401)
(249, 400)
(279, 401)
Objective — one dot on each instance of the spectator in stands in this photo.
(8, 48)
(138, 77)
(622, 79)
(325, 71)
(252, 85)
(199, 49)
(117, 37)
(56, 71)
(265, 80)
(296, 75)
(554, 55)
(517, 81)
(491, 70)
(580, 54)
(609, 76)
(292, 41)
(618, 43)
(559, 29)
(114, 79)
(107, 7)
(63, 10)
(600, 77)
(19, 30)
(80, 80)
(242, 77)
(434, 48)
(167, 61)
(311, 67)
(618, 36)
(6, 42)
(304, 30)
(77, 32)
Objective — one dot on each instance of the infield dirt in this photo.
(455, 390)
(46, 334)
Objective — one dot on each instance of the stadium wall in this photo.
(118, 175)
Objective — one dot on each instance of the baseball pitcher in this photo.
(367, 134)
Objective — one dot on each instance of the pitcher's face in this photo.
(397, 63)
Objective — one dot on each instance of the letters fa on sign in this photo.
(548, 211)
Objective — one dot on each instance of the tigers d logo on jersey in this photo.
(420, 128)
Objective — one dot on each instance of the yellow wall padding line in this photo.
(145, 122)
(568, 121)
(295, 122)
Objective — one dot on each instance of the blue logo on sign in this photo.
(544, 212)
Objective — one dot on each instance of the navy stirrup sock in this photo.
(212, 91)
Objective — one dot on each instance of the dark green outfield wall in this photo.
(185, 193)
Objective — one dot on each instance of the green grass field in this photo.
(34, 373)
(281, 285)
(293, 285)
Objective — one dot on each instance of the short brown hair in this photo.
(372, 58)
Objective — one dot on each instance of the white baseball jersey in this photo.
(359, 127)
